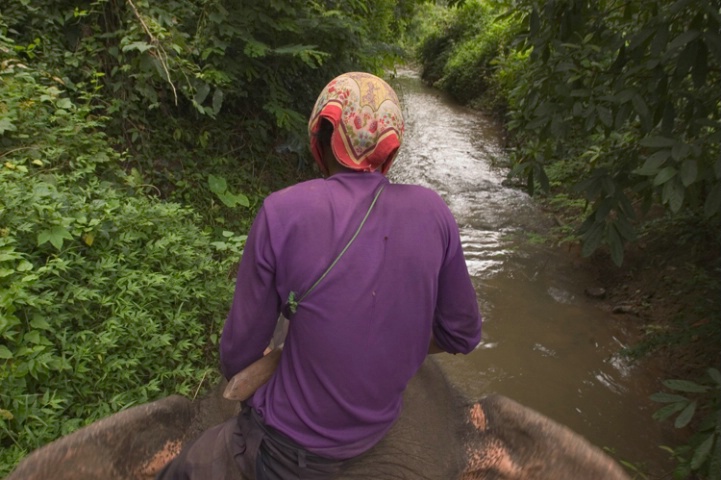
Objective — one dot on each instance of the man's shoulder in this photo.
(299, 192)
(418, 194)
(417, 190)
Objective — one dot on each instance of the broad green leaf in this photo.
(592, 239)
(220, 245)
(702, 452)
(689, 172)
(24, 266)
(201, 92)
(40, 323)
(64, 103)
(625, 229)
(715, 375)
(538, 123)
(658, 142)
(55, 236)
(217, 184)
(683, 39)
(663, 397)
(615, 245)
(139, 46)
(624, 111)
(686, 415)
(685, 386)
(255, 49)
(713, 201)
(6, 126)
(624, 95)
(673, 194)
(217, 100)
(33, 336)
(5, 353)
(653, 163)
(232, 200)
(668, 410)
(605, 115)
(664, 176)
(9, 255)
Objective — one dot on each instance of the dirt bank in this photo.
(669, 290)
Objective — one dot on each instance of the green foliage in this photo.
(219, 187)
(629, 93)
(702, 454)
(190, 82)
(125, 307)
(635, 470)
(107, 299)
(461, 50)
(119, 122)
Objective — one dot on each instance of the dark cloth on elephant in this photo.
(244, 447)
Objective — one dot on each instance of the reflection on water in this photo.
(543, 344)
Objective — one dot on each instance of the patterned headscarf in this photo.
(367, 122)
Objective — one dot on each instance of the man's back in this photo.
(358, 338)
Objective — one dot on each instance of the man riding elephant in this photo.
(372, 278)
(439, 436)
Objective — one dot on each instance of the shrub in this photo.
(460, 55)
(107, 298)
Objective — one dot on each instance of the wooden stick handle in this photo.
(247, 381)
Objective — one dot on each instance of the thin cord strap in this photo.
(292, 302)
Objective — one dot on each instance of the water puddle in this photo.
(545, 344)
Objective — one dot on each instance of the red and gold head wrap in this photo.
(367, 122)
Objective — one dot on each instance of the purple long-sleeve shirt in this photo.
(358, 338)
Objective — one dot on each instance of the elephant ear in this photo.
(509, 441)
(133, 444)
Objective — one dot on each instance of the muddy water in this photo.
(544, 343)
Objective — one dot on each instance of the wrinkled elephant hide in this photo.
(133, 444)
(439, 436)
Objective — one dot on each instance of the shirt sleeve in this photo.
(457, 319)
(256, 303)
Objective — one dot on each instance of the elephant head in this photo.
(438, 436)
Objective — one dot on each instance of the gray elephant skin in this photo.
(440, 436)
